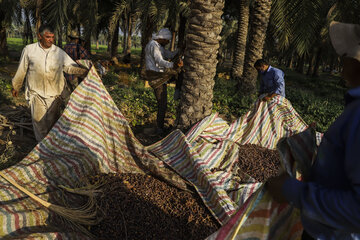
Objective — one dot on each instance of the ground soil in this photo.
(258, 162)
(138, 206)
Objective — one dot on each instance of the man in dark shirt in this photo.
(76, 52)
(330, 200)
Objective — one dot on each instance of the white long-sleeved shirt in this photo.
(155, 55)
(43, 70)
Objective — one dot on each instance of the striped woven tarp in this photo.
(93, 136)
(207, 156)
(262, 218)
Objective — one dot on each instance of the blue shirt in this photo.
(272, 81)
(330, 201)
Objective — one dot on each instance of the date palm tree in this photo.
(8, 12)
(153, 15)
(242, 33)
(202, 44)
(259, 22)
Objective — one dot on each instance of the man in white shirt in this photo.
(43, 64)
(159, 71)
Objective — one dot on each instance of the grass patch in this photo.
(319, 100)
(137, 103)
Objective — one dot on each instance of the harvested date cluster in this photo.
(138, 206)
(258, 162)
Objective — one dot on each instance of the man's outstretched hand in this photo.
(180, 63)
(269, 97)
(14, 92)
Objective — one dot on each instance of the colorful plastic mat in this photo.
(92, 136)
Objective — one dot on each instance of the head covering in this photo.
(345, 38)
(164, 33)
(74, 34)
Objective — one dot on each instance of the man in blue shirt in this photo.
(330, 200)
(272, 80)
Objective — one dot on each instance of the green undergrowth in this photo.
(317, 100)
(136, 103)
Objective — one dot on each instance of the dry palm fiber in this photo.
(85, 215)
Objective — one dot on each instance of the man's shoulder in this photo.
(32, 45)
(276, 70)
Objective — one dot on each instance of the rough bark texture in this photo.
(115, 41)
(181, 34)
(260, 19)
(242, 32)
(202, 44)
(130, 30)
(38, 14)
(146, 34)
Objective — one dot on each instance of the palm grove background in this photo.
(216, 35)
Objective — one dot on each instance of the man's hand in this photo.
(14, 92)
(269, 97)
(81, 72)
(274, 186)
(180, 63)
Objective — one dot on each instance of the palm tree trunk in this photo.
(173, 39)
(124, 29)
(130, 29)
(317, 63)
(3, 43)
(290, 62)
(300, 64)
(146, 34)
(60, 37)
(115, 41)
(181, 34)
(332, 63)
(311, 64)
(260, 19)
(242, 30)
(202, 44)
(38, 14)
(27, 28)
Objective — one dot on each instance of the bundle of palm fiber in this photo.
(75, 218)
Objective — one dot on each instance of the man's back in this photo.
(272, 81)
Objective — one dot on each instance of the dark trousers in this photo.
(157, 81)
(306, 236)
(161, 98)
